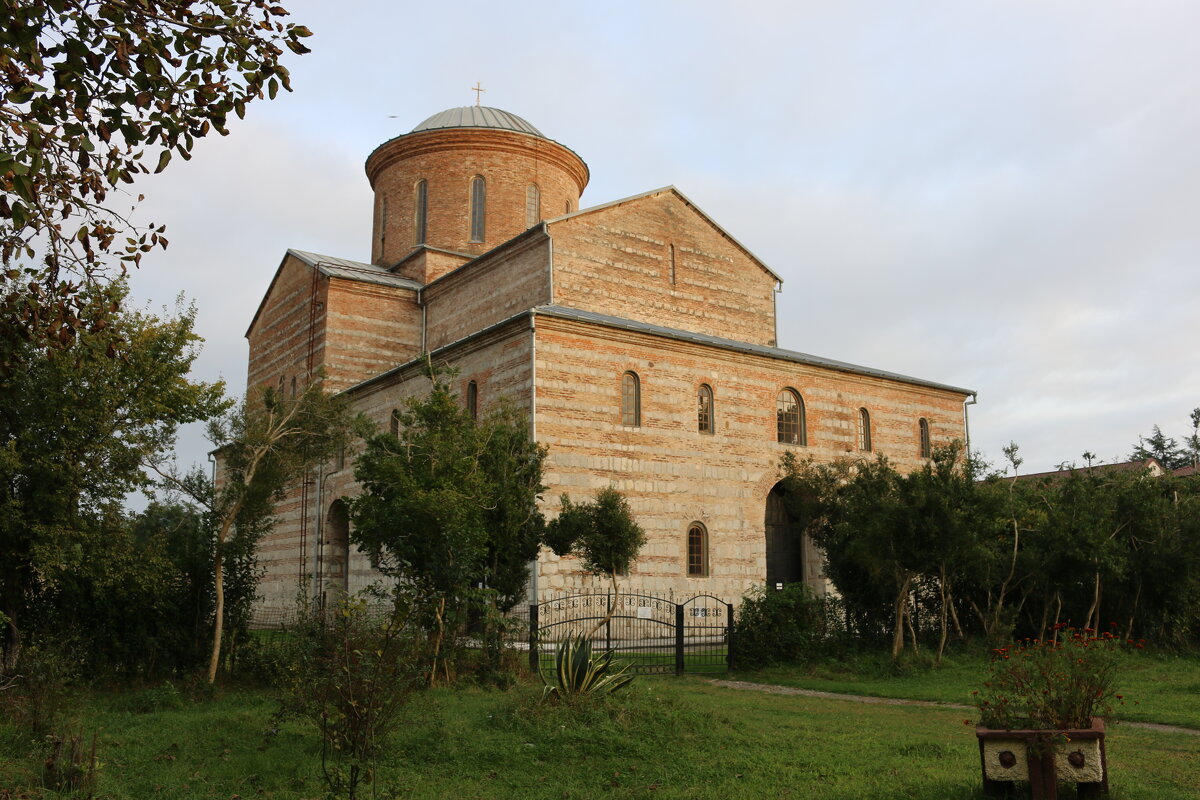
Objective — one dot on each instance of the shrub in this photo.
(70, 765)
(777, 626)
(1053, 684)
(351, 677)
(578, 674)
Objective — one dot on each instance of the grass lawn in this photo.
(665, 738)
(1157, 687)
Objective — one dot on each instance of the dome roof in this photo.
(477, 117)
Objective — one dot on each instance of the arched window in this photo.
(383, 222)
(533, 205)
(790, 427)
(478, 208)
(704, 398)
(697, 551)
(631, 400)
(923, 431)
(570, 206)
(864, 430)
(420, 211)
(473, 399)
(395, 422)
(293, 387)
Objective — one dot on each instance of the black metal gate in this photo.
(653, 634)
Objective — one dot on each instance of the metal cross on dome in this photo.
(478, 90)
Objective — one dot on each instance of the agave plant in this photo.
(578, 673)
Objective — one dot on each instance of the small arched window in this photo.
(473, 399)
(790, 427)
(478, 208)
(570, 206)
(533, 205)
(293, 387)
(704, 404)
(864, 430)
(420, 211)
(923, 432)
(697, 551)
(631, 400)
(394, 423)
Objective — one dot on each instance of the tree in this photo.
(603, 533)
(265, 444)
(75, 429)
(450, 504)
(1162, 447)
(94, 91)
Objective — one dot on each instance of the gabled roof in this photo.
(334, 267)
(1151, 465)
(563, 312)
(672, 190)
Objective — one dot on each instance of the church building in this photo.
(639, 336)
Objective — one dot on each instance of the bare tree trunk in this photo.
(218, 613)
(944, 621)
(954, 617)
(1095, 607)
(912, 634)
(1133, 610)
(437, 642)
(12, 641)
(901, 605)
(612, 608)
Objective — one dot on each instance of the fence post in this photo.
(729, 635)
(534, 655)
(678, 638)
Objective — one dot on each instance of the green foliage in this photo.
(602, 532)
(1053, 684)
(351, 677)
(781, 626)
(450, 505)
(75, 430)
(578, 674)
(70, 765)
(93, 94)
(938, 551)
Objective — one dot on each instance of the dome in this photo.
(477, 117)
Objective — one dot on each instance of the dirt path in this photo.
(767, 688)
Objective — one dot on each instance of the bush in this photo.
(776, 626)
(351, 676)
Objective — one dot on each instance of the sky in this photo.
(1003, 196)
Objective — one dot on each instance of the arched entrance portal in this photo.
(336, 566)
(785, 541)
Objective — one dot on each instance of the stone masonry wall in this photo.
(671, 473)
(500, 363)
(488, 290)
(618, 261)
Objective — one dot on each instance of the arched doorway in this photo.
(785, 541)
(336, 567)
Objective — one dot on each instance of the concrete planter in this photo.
(1043, 758)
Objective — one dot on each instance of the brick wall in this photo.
(618, 261)
(448, 160)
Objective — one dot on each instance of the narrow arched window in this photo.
(293, 387)
(570, 206)
(473, 399)
(420, 211)
(697, 551)
(923, 431)
(790, 427)
(704, 398)
(478, 208)
(631, 400)
(864, 430)
(395, 422)
(533, 205)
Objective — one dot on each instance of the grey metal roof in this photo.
(477, 117)
(564, 312)
(352, 270)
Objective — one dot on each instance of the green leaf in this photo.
(164, 158)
